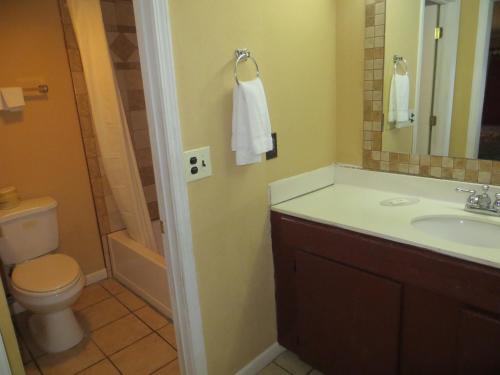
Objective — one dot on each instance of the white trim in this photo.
(96, 276)
(418, 77)
(291, 187)
(158, 73)
(479, 78)
(262, 360)
(445, 77)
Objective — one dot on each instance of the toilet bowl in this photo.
(48, 286)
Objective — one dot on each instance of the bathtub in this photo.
(141, 269)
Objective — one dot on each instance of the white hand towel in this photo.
(399, 101)
(12, 99)
(251, 123)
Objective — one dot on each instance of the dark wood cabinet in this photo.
(341, 337)
(354, 304)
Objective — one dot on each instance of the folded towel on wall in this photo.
(11, 99)
(251, 124)
(399, 101)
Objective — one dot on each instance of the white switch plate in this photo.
(197, 163)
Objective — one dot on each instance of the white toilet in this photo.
(43, 283)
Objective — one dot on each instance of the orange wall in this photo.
(41, 150)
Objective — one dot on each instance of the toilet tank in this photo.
(28, 230)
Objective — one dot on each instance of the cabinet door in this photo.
(429, 333)
(479, 344)
(349, 320)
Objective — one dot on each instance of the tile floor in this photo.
(125, 336)
(288, 364)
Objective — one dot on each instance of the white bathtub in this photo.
(141, 269)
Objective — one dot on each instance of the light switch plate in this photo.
(197, 164)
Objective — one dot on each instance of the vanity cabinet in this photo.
(348, 303)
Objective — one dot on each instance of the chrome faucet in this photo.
(481, 203)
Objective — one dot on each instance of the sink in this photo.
(460, 229)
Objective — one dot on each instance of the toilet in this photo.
(43, 282)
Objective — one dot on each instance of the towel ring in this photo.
(243, 55)
(400, 60)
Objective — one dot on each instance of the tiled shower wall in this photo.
(119, 22)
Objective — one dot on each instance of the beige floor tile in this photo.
(104, 367)
(292, 364)
(113, 286)
(71, 361)
(170, 369)
(273, 369)
(120, 333)
(31, 369)
(151, 317)
(130, 300)
(102, 313)
(144, 356)
(168, 333)
(91, 295)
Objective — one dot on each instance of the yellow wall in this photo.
(41, 151)
(402, 31)
(294, 44)
(463, 79)
(349, 37)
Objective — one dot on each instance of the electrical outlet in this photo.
(197, 163)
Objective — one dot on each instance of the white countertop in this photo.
(358, 209)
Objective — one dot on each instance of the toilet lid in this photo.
(46, 273)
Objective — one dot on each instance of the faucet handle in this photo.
(496, 204)
(463, 190)
(485, 188)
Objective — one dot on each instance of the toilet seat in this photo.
(46, 275)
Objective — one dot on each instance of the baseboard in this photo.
(262, 360)
(96, 276)
(91, 278)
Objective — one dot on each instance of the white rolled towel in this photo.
(11, 99)
(399, 101)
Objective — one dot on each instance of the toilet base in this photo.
(56, 331)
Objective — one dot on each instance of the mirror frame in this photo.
(459, 169)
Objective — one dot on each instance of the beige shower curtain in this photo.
(110, 122)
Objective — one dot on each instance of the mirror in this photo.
(442, 78)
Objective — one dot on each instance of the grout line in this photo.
(144, 321)
(119, 350)
(165, 365)
(164, 339)
(92, 304)
(281, 367)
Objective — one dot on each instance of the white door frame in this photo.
(445, 77)
(479, 78)
(158, 73)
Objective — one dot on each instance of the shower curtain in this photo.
(110, 121)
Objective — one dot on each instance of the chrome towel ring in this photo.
(243, 55)
(400, 61)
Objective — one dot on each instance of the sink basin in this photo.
(464, 230)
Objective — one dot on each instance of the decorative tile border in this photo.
(459, 169)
